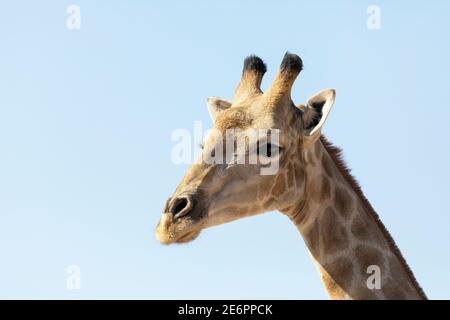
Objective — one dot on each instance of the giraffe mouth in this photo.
(191, 232)
(188, 237)
(181, 230)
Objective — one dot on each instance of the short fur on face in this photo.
(225, 192)
(312, 186)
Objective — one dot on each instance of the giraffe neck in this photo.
(354, 254)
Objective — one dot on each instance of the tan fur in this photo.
(312, 187)
(374, 220)
(343, 202)
(249, 86)
(236, 118)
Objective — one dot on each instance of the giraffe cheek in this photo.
(264, 187)
(290, 176)
(299, 175)
(280, 185)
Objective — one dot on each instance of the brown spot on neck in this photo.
(279, 186)
(334, 234)
(343, 202)
(327, 165)
(337, 277)
(335, 154)
(360, 229)
(366, 256)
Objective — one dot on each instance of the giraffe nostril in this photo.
(180, 207)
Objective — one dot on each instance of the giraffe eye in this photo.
(269, 150)
(266, 149)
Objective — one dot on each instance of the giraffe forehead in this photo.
(234, 118)
(245, 118)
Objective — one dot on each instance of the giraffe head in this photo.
(267, 126)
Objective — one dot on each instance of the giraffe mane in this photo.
(336, 155)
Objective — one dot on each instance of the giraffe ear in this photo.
(316, 110)
(216, 106)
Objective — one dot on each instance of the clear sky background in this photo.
(86, 118)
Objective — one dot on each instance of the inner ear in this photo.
(216, 106)
(316, 110)
(313, 114)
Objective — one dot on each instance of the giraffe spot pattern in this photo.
(299, 175)
(359, 229)
(367, 256)
(341, 272)
(290, 175)
(319, 189)
(279, 186)
(312, 238)
(343, 202)
(325, 191)
(317, 149)
(327, 165)
(395, 268)
(269, 202)
(333, 289)
(264, 187)
(334, 234)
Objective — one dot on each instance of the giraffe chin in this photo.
(170, 239)
(188, 237)
(185, 230)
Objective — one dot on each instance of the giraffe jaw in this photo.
(185, 238)
(188, 237)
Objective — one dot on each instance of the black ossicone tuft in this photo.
(255, 63)
(291, 63)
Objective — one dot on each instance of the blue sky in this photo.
(86, 117)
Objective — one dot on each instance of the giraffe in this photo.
(312, 187)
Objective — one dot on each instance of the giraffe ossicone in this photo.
(311, 186)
